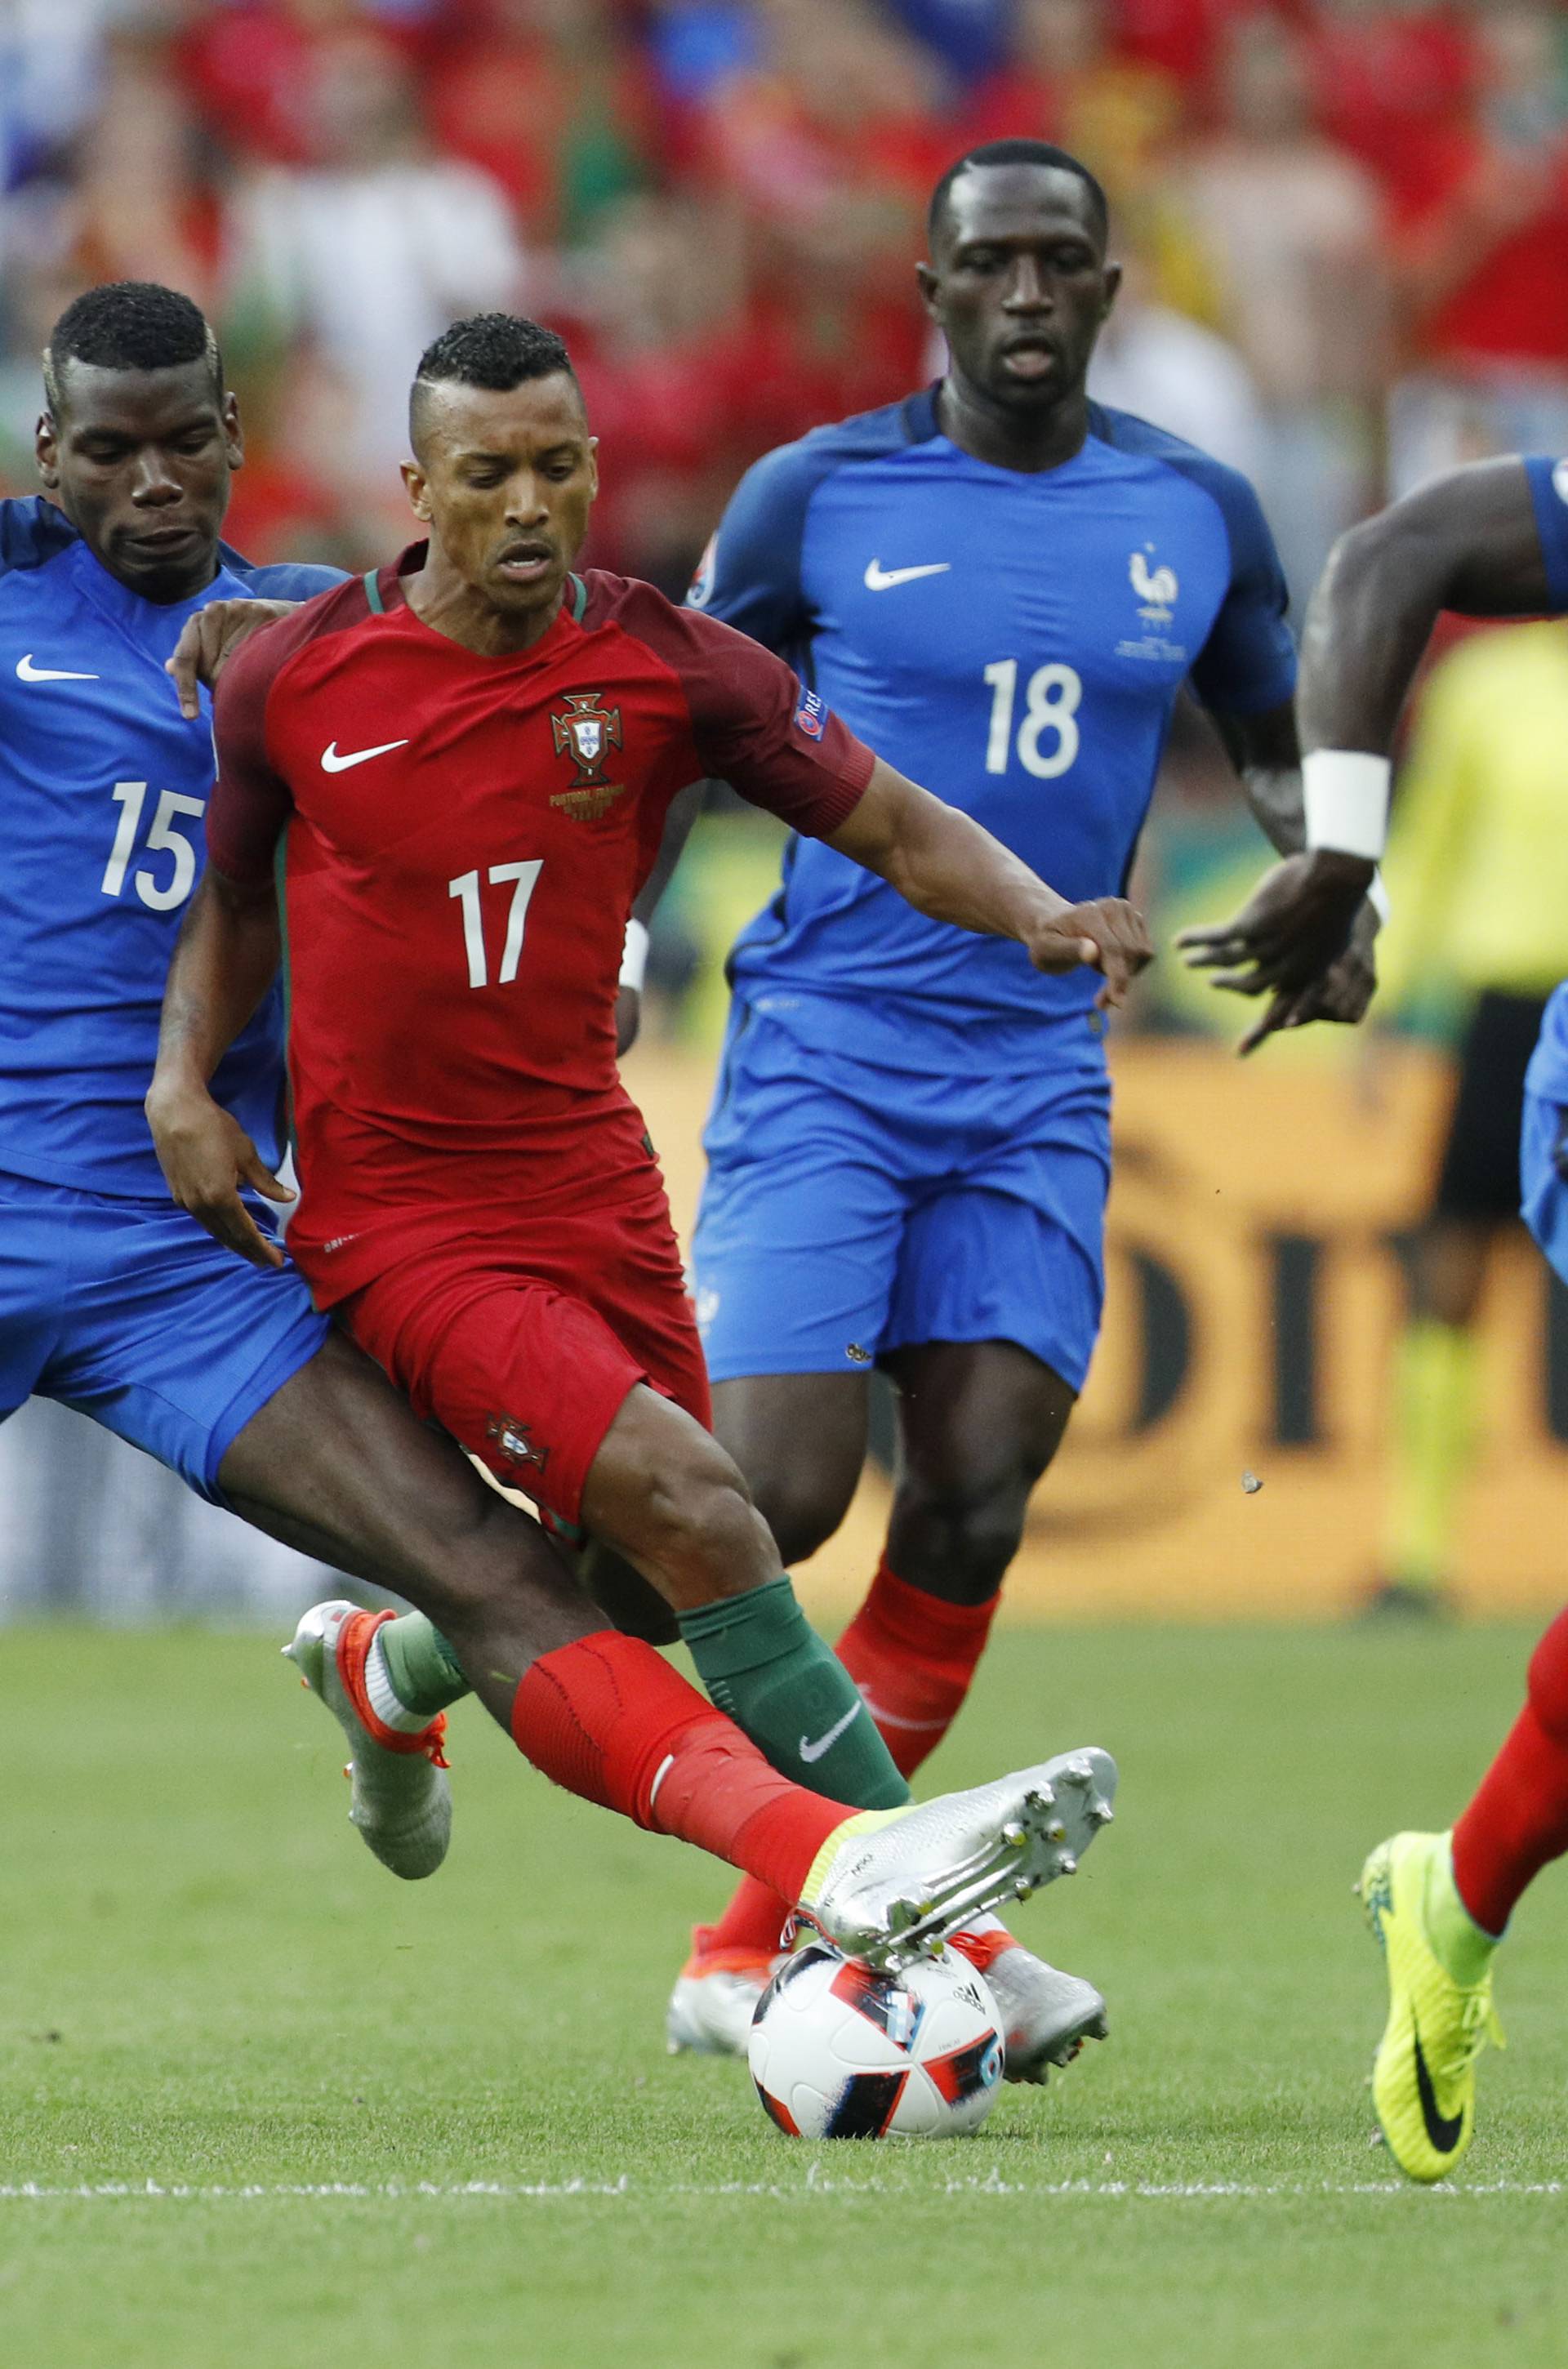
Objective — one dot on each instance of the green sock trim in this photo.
(1460, 1945)
(762, 1661)
(425, 1672)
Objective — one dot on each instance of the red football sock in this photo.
(1518, 1819)
(913, 1657)
(608, 1719)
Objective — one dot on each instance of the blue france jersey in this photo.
(1548, 1073)
(1017, 643)
(105, 788)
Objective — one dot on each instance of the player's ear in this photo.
(1113, 282)
(927, 282)
(46, 450)
(417, 486)
(234, 434)
(593, 467)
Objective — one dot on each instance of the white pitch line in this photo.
(816, 2182)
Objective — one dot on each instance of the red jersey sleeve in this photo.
(251, 804)
(754, 725)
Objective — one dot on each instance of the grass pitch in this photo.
(264, 2108)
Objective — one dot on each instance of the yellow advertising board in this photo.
(1254, 1288)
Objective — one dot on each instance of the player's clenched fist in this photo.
(1107, 933)
(206, 1156)
(207, 639)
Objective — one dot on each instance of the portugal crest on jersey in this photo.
(587, 732)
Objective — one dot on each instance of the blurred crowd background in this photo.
(1345, 222)
(1345, 228)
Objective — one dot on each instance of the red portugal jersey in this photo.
(458, 841)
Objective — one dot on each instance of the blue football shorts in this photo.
(1542, 1141)
(129, 1312)
(851, 1209)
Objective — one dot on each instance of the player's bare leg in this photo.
(801, 1440)
(663, 1493)
(335, 1465)
(981, 1422)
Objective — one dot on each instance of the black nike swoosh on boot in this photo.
(1443, 2130)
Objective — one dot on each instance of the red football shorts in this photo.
(525, 1345)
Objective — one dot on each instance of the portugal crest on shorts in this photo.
(514, 1441)
(586, 733)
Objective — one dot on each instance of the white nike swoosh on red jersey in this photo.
(331, 762)
(27, 672)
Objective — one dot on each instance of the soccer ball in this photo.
(841, 2052)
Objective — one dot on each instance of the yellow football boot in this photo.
(1424, 2073)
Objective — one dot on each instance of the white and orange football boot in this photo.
(402, 1799)
(716, 1997)
(1046, 2015)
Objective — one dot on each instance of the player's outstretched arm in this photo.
(224, 960)
(947, 866)
(1469, 540)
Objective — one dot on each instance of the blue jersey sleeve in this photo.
(1548, 495)
(1248, 663)
(30, 533)
(750, 576)
(284, 581)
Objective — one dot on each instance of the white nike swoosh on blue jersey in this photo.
(27, 672)
(882, 579)
(331, 762)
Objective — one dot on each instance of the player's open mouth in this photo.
(1028, 358)
(525, 563)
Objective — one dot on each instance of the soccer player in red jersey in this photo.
(461, 768)
(1489, 541)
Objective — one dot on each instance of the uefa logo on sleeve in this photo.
(811, 715)
(702, 585)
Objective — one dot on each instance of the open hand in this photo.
(1291, 931)
(1107, 933)
(206, 1156)
(206, 640)
(1342, 994)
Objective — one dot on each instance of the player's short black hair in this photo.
(493, 349)
(1018, 151)
(132, 325)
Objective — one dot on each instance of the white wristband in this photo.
(633, 955)
(1346, 795)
